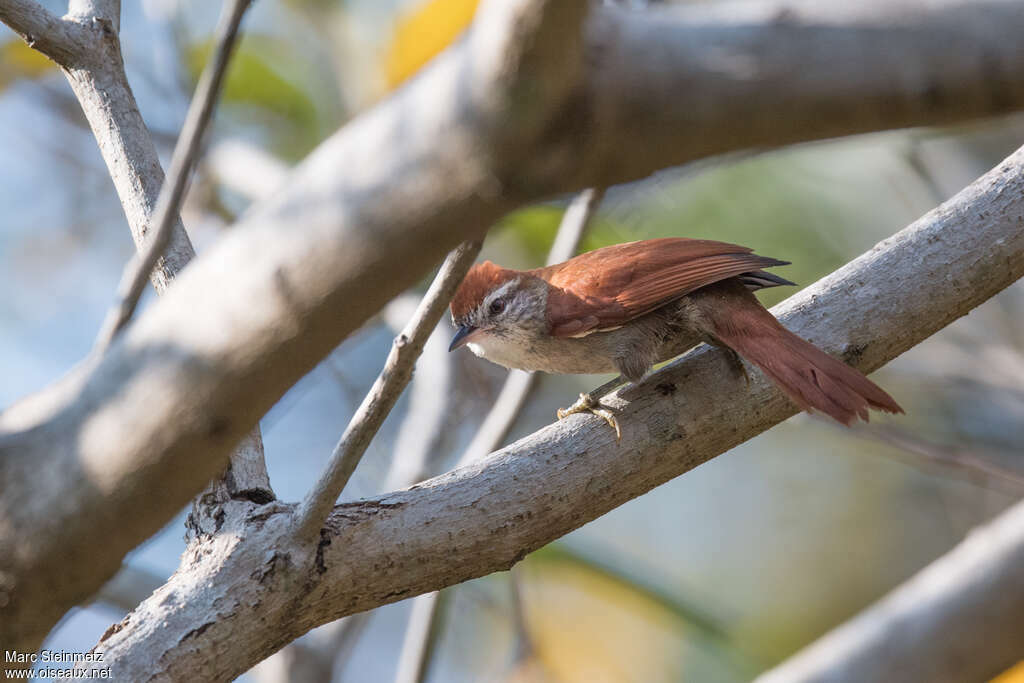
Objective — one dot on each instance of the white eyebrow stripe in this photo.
(499, 292)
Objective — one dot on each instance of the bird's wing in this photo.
(606, 288)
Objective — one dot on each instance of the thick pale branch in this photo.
(59, 39)
(97, 77)
(124, 442)
(957, 620)
(319, 265)
(92, 10)
(487, 515)
(128, 588)
(98, 80)
(96, 73)
(686, 82)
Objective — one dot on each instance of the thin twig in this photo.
(426, 418)
(136, 273)
(421, 636)
(344, 636)
(416, 652)
(978, 469)
(524, 648)
(575, 222)
(501, 416)
(385, 391)
(316, 658)
(518, 385)
(401, 479)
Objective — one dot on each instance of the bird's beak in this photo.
(462, 337)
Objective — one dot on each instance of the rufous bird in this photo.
(625, 307)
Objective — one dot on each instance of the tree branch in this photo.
(115, 500)
(96, 73)
(421, 636)
(381, 397)
(98, 80)
(726, 76)
(422, 629)
(958, 461)
(314, 659)
(429, 411)
(186, 151)
(574, 224)
(108, 11)
(957, 620)
(363, 218)
(58, 39)
(128, 588)
(486, 516)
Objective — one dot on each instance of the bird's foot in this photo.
(736, 364)
(587, 404)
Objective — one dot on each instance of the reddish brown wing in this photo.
(608, 287)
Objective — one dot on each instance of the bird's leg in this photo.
(735, 363)
(587, 403)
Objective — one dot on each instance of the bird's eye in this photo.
(496, 307)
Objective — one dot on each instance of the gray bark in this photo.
(526, 106)
(86, 45)
(248, 591)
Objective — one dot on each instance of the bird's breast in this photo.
(564, 356)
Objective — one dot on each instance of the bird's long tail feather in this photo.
(813, 379)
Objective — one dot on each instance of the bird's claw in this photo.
(736, 365)
(587, 404)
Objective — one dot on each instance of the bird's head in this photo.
(497, 306)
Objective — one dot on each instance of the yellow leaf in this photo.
(1014, 674)
(588, 628)
(18, 60)
(422, 33)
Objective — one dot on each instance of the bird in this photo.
(625, 307)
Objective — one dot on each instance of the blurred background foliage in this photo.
(712, 577)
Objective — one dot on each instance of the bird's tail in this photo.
(813, 379)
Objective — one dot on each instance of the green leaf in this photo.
(264, 84)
